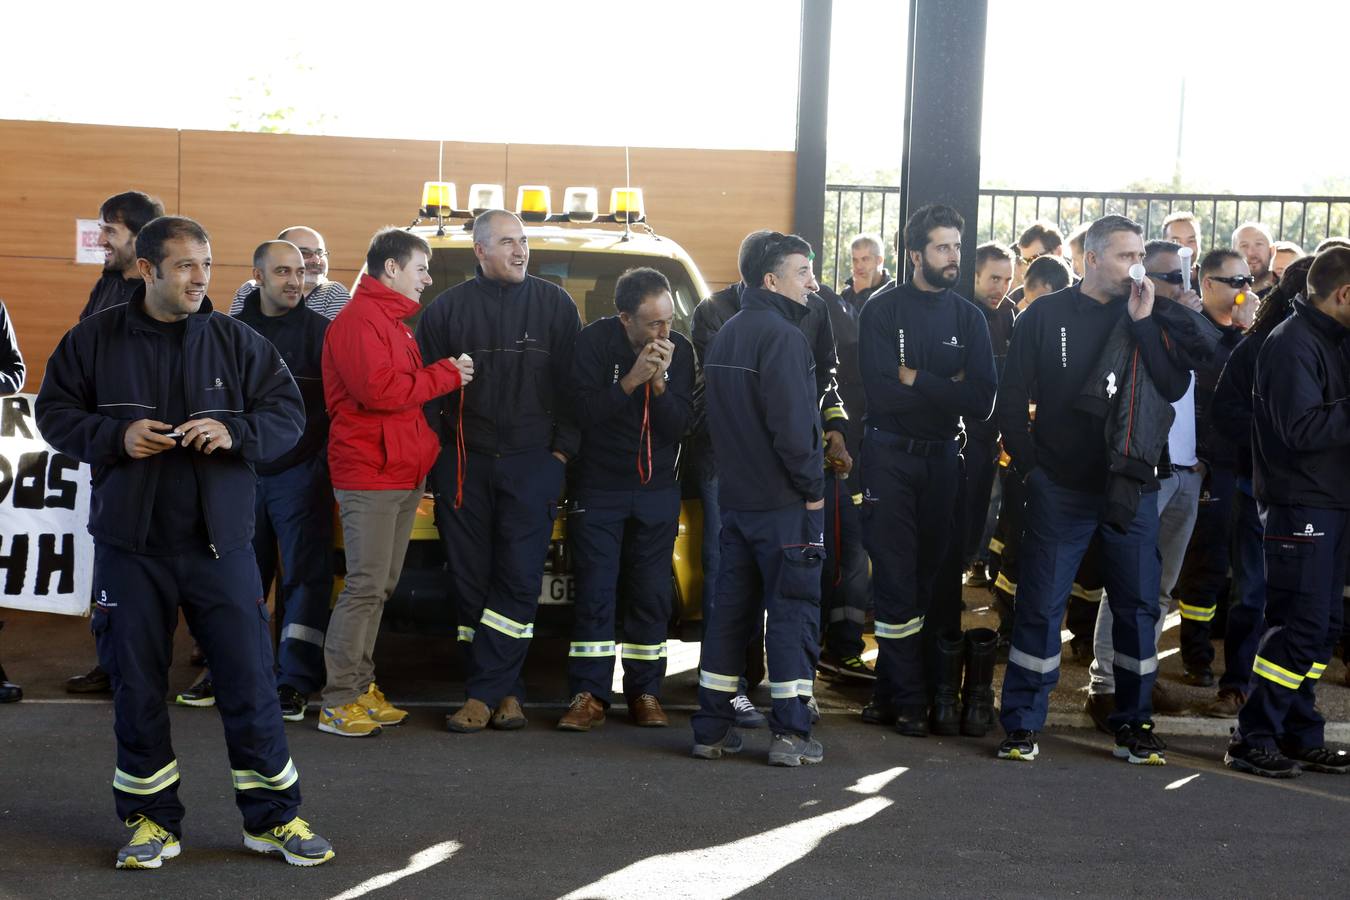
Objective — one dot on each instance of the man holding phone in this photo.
(172, 520)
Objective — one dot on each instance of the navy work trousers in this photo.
(137, 599)
(621, 545)
(1060, 524)
(293, 530)
(843, 581)
(771, 559)
(1204, 572)
(909, 522)
(1306, 550)
(495, 545)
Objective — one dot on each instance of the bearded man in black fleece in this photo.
(1055, 345)
(926, 364)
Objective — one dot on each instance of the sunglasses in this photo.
(1169, 277)
(1236, 281)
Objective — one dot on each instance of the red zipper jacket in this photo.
(374, 385)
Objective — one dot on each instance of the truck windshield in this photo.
(588, 278)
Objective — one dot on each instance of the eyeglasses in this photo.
(313, 254)
(1169, 277)
(1236, 281)
(1028, 260)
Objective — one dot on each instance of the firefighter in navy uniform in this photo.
(926, 363)
(1301, 469)
(764, 418)
(506, 442)
(172, 405)
(818, 327)
(844, 590)
(633, 390)
(120, 218)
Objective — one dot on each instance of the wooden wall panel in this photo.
(44, 298)
(246, 187)
(52, 174)
(707, 201)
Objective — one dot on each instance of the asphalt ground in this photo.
(624, 811)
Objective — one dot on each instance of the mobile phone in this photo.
(174, 434)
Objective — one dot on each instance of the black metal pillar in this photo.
(944, 103)
(813, 95)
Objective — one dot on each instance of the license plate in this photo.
(557, 590)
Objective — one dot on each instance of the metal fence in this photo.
(851, 209)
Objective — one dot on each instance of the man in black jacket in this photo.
(926, 364)
(120, 219)
(868, 273)
(1056, 346)
(172, 405)
(506, 443)
(993, 278)
(765, 425)
(294, 512)
(817, 326)
(633, 390)
(12, 373)
(1301, 464)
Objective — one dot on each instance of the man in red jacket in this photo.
(380, 449)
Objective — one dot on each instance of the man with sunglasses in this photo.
(1180, 476)
(1204, 574)
(327, 298)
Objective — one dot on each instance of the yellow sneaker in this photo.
(295, 841)
(150, 845)
(380, 709)
(351, 720)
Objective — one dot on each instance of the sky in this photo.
(1086, 96)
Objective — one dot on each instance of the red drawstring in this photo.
(645, 435)
(838, 540)
(461, 465)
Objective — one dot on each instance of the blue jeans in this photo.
(1060, 523)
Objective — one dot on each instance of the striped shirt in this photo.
(327, 299)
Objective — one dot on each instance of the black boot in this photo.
(946, 715)
(9, 693)
(977, 695)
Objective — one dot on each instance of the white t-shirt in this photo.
(1181, 439)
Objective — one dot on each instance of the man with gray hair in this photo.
(1056, 346)
(327, 298)
(867, 259)
(506, 444)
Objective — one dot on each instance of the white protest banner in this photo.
(46, 552)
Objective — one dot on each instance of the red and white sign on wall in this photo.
(87, 249)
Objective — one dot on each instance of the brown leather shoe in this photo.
(472, 716)
(509, 716)
(647, 712)
(584, 713)
(1227, 705)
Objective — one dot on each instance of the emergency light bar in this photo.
(625, 205)
(581, 204)
(483, 197)
(439, 199)
(533, 203)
